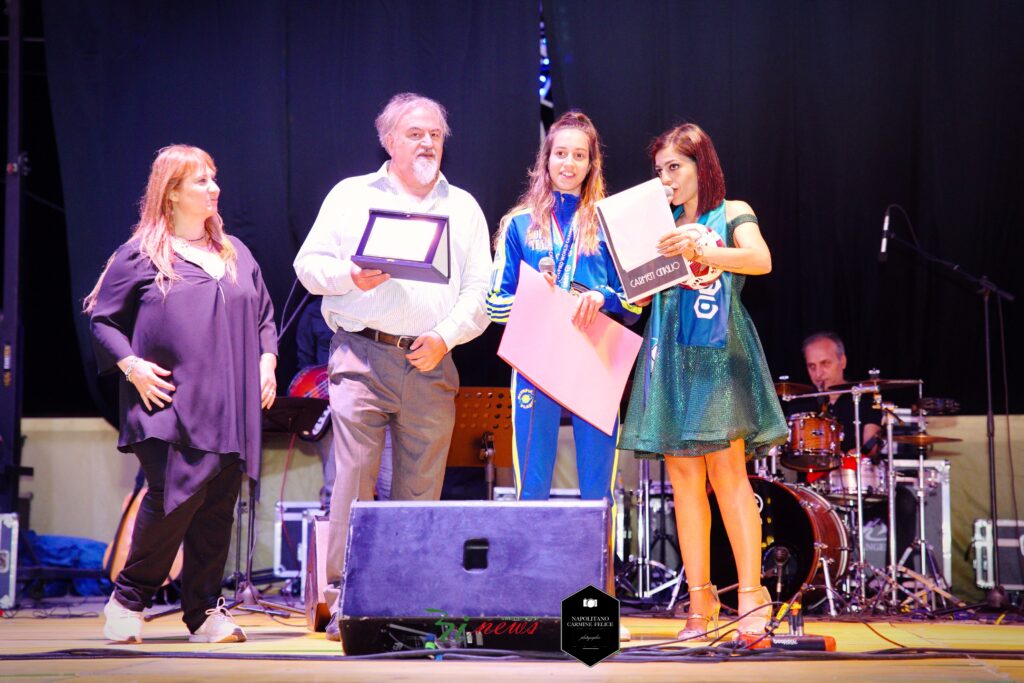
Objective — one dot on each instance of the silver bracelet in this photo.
(130, 367)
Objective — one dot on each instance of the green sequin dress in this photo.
(701, 398)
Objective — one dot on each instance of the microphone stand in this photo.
(996, 597)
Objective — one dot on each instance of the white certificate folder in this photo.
(633, 221)
(408, 246)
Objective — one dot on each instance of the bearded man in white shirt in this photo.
(390, 362)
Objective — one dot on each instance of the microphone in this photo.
(780, 555)
(883, 253)
(668, 192)
(546, 265)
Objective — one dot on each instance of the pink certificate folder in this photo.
(583, 370)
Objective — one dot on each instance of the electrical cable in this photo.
(634, 654)
(879, 634)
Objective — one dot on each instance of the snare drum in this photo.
(841, 484)
(815, 443)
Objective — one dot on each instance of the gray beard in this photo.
(425, 170)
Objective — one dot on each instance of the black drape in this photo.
(283, 95)
(823, 114)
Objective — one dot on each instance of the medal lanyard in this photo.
(562, 261)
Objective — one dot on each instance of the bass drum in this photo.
(792, 517)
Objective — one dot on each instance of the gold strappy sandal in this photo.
(710, 621)
(762, 613)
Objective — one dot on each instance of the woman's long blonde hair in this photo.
(539, 197)
(153, 232)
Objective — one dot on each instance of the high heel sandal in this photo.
(757, 613)
(693, 634)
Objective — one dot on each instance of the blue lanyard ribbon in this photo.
(562, 260)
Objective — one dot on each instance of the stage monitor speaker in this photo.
(467, 573)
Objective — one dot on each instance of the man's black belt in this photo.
(402, 341)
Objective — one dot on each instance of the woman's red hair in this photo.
(690, 140)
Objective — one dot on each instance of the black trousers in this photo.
(203, 522)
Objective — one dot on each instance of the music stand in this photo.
(293, 415)
(289, 415)
(482, 436)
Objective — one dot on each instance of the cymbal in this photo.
(788, 388)
(922, 440)
(880, 383)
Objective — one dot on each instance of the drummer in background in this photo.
(825, 356)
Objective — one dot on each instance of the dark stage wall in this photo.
(283, 95)
(823, 113)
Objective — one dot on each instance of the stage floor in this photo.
(309, 655)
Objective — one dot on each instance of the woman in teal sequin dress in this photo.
(702, 396)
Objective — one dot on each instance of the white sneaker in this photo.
(219, 627)
(624, 635)
(123, 625)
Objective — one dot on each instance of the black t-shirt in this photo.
(842, 411)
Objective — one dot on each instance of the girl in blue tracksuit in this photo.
(556, 218)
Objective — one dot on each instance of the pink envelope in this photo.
(585, 371)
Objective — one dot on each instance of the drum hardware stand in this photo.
(662, 537)
(888, 417)
(920, 543)
(624, 526)
(645, 544)
(931, 588)
(674, 598)
(861, 579)
(895, 587)
(768, 468)
(855, 393)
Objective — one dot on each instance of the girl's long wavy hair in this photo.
(539, 197)
(153, 232)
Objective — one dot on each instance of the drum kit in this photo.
(813, 531)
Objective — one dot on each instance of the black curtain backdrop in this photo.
(283, 95)
(823, 113)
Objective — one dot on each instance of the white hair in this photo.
(398, 106)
